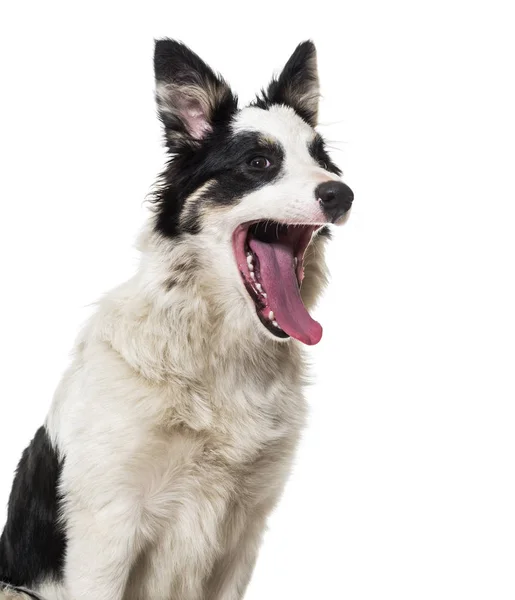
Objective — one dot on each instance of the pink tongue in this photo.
(277, 273)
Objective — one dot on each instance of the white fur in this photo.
(166, 404)
(179, 414)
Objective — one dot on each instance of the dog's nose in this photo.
(335, 198)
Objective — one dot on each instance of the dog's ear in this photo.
(297, 85)
(191, 98)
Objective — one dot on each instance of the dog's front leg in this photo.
(232, 572)
(100, 552)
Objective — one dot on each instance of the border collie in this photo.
(171, 434)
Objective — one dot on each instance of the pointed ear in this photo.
(191, 99)
(297, 85)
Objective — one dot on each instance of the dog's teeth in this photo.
(249, 262)
(258, 286)
(274, 323)
(271, 315)
(252, 275)
(296, 261)
(264, 295)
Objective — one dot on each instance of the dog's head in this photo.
(248, 193)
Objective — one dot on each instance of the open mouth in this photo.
(270, 259)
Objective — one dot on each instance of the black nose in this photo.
(335, 199)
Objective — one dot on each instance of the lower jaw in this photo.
(277, 332)
(266, 323)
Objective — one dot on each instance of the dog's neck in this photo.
(167, 325)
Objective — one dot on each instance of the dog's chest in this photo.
(236, 413)
(207, 487)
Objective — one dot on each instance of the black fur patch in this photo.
(325, 232)
(319, 153)
(296, 86)
(176, 64)
(222, 158)
(33, 543)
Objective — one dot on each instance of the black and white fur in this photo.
(171, 434)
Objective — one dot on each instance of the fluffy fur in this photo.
(173, 430)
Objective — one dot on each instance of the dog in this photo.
(172, 432)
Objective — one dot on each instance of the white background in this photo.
(404, 484)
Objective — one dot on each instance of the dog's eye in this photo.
(259, 162)
(324, 165)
